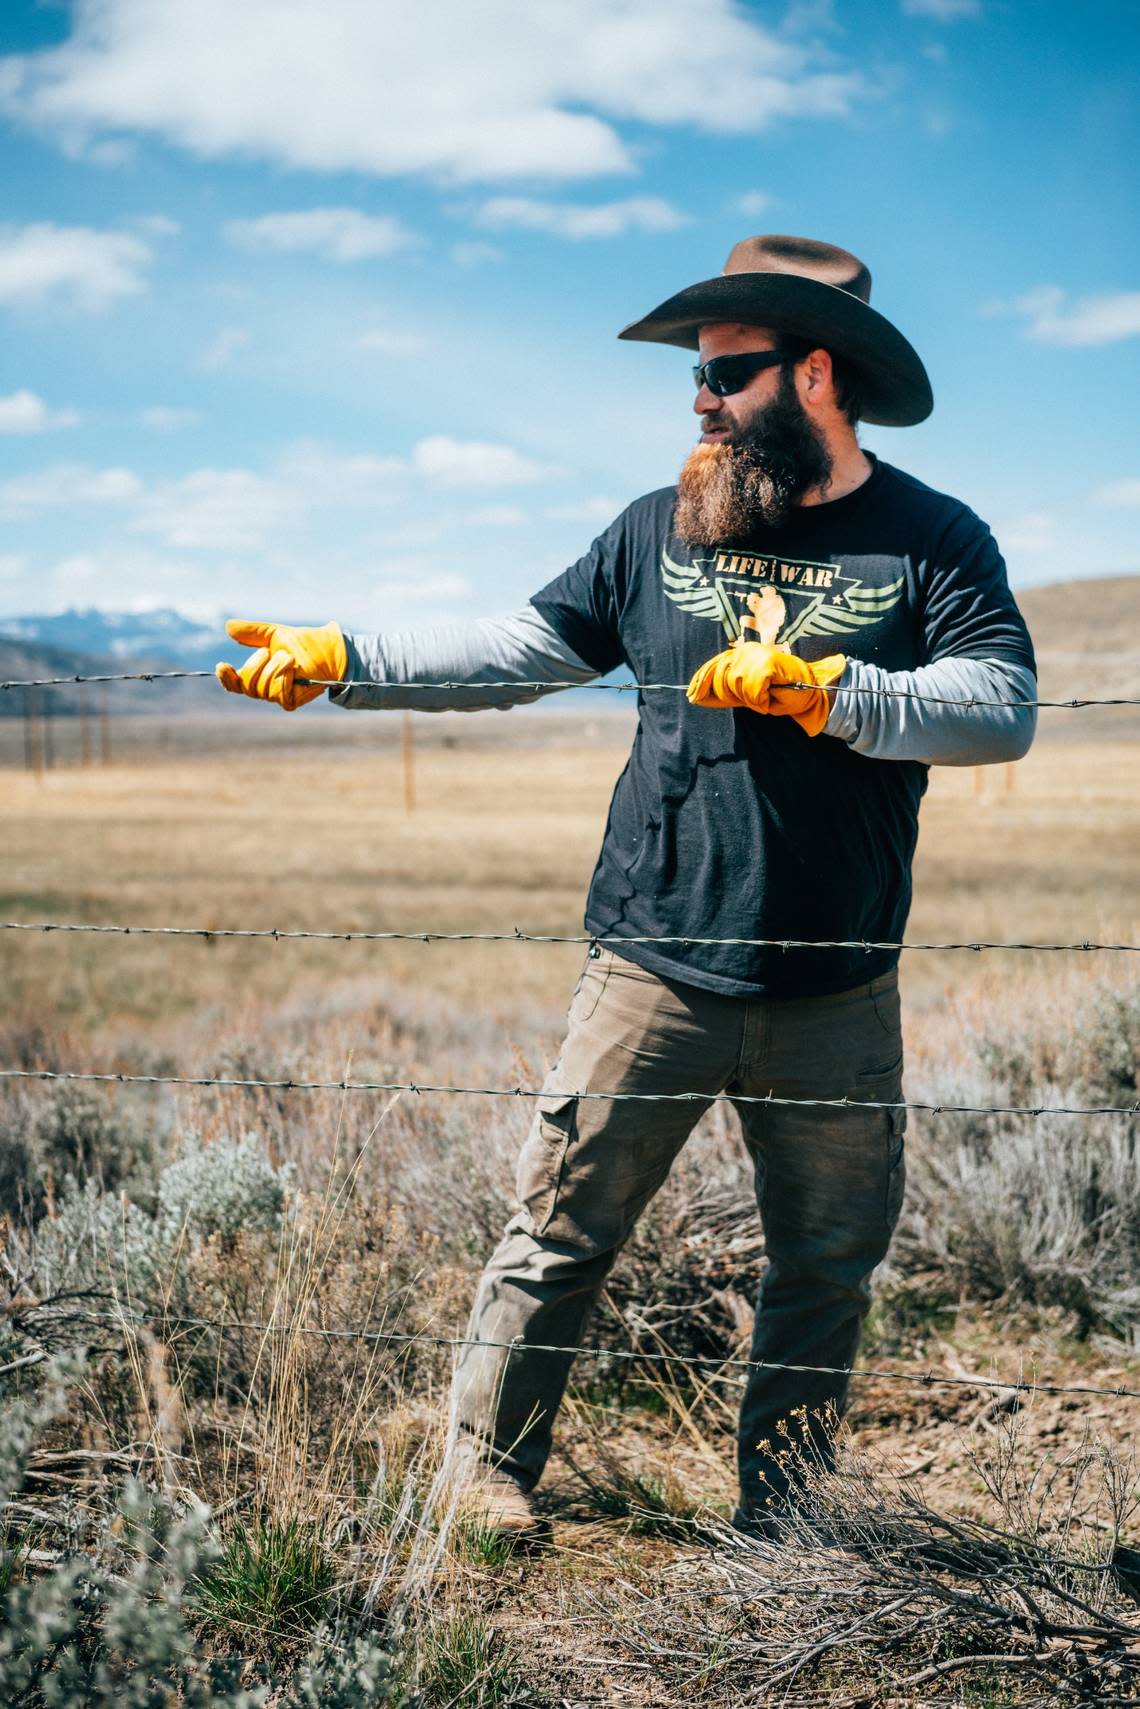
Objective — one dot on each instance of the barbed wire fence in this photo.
(282, 933)
(738, 1366)
(544, 687)
(133, 1316)
(422, 1088)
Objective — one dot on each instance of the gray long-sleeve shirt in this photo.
(954, 726)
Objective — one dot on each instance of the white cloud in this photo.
(474, 463)
(67, 484)
(753, 202)
(140, 580)
(24, 412)
(390, 343)
(217, 509)
(474, 254)
(222, 348)
(466, 93)
(13, 567)
(164, 418)
(943, 11)
(337, 234)
(1119, 494)
(605, 219)
(88, 267)
(804, 16)
(156, 225)
(116, 151)
(1102, 319)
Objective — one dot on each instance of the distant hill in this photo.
(1086, 633)
(21, 660)
(1094, 614)
(92, 642)
(122, 635)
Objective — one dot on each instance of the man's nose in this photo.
(706, 402)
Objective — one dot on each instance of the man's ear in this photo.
(816, 377)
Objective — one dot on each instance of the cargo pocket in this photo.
(543, 1157)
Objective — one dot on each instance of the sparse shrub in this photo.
(116, 1623)
(1084, 1040)
(345, 1671)
(1045, 1208)
(104, 1240)
(67, 1134)
(1111, 1069)
(99, 1240)
(223, 1189)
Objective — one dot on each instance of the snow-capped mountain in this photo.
(162, 634)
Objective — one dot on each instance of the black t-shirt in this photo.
(737, 825)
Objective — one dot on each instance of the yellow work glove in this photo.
(756, 675)
(283, 654)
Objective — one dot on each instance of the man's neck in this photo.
(850, 467)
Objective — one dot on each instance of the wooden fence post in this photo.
(33, 746)
(409, 764)
(84, 726)
(105, 724)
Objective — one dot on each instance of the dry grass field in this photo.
(255, 823)
(503, 836)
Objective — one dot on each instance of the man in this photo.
(778, 800)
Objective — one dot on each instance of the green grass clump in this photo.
(463, 1660)
(271, 1579)
(481, 1545)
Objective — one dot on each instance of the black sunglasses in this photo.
(725, 374)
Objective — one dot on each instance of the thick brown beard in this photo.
(721, 496)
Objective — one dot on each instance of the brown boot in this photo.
(496, 1502)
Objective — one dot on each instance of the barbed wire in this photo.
(277, 933)
(612, 687)
(925, 1379)
(290, 1085)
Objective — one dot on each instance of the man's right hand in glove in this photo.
(283, 654)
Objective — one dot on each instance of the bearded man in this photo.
(870, 630)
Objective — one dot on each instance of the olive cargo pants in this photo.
(829, 1186)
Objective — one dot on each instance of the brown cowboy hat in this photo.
(814, 291)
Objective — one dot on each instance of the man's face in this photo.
(722, 417)
(759, 450)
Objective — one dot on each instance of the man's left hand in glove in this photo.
(283, 654)
(759, 676)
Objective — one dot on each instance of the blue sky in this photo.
(309, 306)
